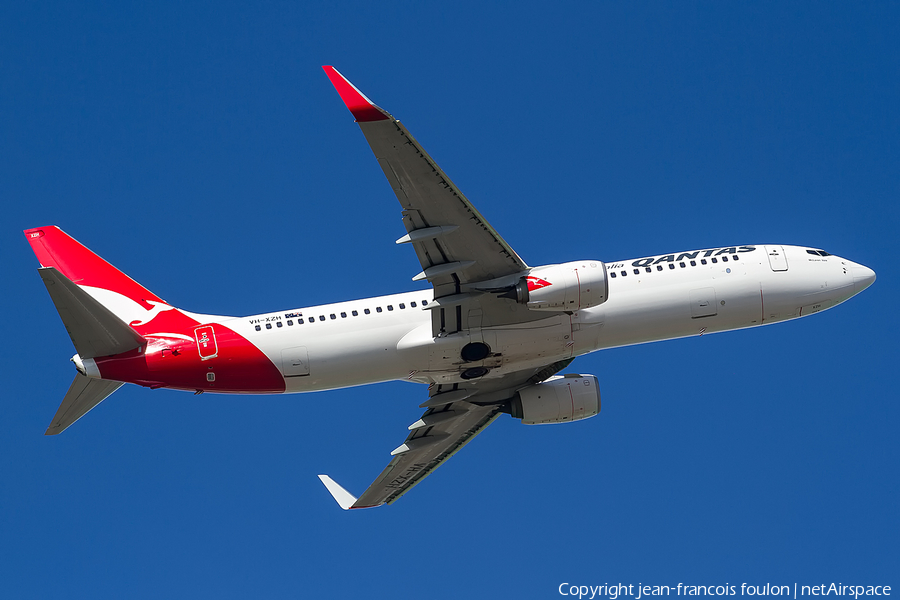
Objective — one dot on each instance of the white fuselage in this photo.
(650, 299)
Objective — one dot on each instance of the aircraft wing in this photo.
(454, 415)
(425, 449)
(458, 249)
(454, 243)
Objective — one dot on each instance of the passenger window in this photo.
(290, 322)
(355, 313)
(258, 328)
(343, 315)
(612, 274)
(402, 306)
(671, 265)
(413, 304)
(715, 260)
(702, 261)
(734, 257)
(648, 269)
(321, 317)
(424, 302)
(367, 311)
(377, 309)
(693, 263)
(390, 307)
(299, 321)
(659, 267)
(637, 271)
(268, 326)
(279, 323)
(681, 264)
(724, 259)
(333, 316)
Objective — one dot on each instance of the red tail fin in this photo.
(54, 248)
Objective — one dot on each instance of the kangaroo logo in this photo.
(536, 283)
(158, 307)
(132, 312)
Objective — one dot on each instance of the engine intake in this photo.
(558, 400)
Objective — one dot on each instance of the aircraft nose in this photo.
(863, 277)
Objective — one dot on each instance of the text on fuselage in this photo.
(671, 258)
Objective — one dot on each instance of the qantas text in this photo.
(653, 260)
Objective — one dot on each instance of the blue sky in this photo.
(200, 148)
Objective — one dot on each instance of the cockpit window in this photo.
(818, 253)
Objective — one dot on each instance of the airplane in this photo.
(491, 336)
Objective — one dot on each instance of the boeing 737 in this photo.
(489, 337)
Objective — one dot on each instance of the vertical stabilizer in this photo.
(128, 300)
(54, 248)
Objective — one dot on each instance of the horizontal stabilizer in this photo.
(84, 394)
(94, 329)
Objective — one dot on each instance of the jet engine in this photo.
(569, 286)
(558, 400)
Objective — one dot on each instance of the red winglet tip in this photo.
(361, 107)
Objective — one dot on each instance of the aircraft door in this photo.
(777, 259)
(206, 342)
(295, 362)
(703, 303)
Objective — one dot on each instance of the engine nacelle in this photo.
(558, 400)
(569, 286)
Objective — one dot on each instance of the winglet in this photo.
(344, 498)
(362, 108)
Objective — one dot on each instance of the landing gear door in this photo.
(777, 259)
